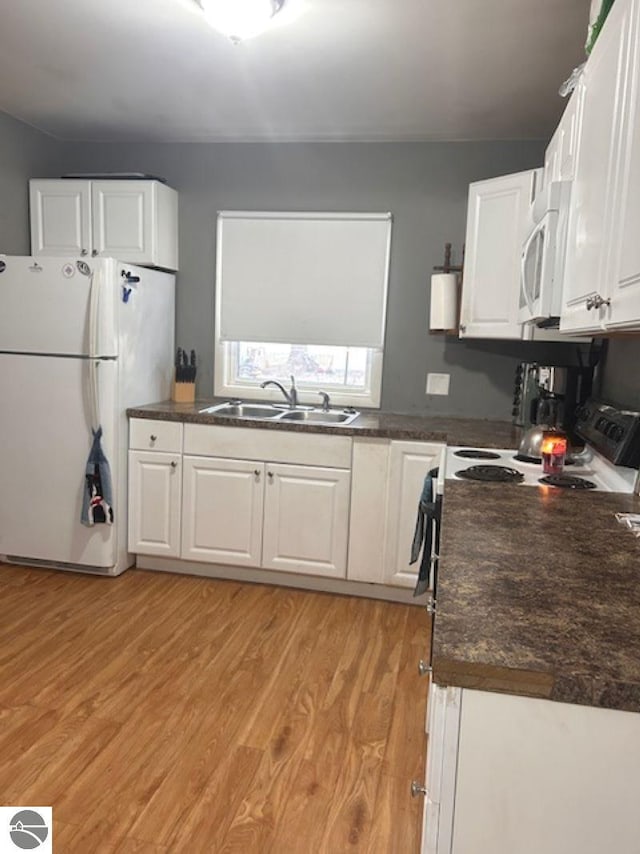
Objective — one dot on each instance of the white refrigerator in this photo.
(80, 341)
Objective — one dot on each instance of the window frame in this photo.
(225, 386)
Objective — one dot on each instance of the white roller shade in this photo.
(303, 278)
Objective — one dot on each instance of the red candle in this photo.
(554, 452)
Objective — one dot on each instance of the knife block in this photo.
(183, 392)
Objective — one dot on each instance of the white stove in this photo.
(589, 466)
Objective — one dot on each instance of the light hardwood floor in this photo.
(167, 713)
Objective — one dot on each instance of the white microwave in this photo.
(543, 254)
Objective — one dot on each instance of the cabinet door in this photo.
(409, 463)
(222, 510)
(624, 269)
(306, 520)
(568, 133)
(440, 773)
(590, 218)
(60, 213)
(154, 503)
(551, 170)
(497, 218)
(123, 224)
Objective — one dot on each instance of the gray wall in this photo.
(24, 153)
(424, 185)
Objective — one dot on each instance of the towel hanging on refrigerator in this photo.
(428, 514)
(97, 499)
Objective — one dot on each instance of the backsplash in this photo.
(620, 381)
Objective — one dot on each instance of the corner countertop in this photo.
(473, 432)
(539, 594)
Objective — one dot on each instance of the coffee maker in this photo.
(549, 395)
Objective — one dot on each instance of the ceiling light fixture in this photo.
(240, 19)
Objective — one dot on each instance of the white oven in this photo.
(543, 254)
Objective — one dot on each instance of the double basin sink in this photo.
(267, 412)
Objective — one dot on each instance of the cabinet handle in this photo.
(83, 251)
(270, 475)
(596, 301)
(423, 668)
(174, 464)
(94, 253)
(153, 437)
(417, 789)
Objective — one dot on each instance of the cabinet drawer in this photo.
(148, 435)
(278, 446)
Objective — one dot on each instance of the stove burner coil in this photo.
(475, 454)
(567, 481)
(524, 458)
(491, 474)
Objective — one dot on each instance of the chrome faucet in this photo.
(290, 396)
(326, 405)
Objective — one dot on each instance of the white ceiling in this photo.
(153, 70)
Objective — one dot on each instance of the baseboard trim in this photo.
(281, 579)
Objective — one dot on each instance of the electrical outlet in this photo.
(438, 383)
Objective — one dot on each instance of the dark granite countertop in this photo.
(539, 594)
(474, 432)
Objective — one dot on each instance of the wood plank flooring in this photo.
(161, 713)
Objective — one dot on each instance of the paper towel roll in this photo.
(444, 301)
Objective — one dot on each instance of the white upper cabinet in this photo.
(60, 217)
(623, 270)
(134, 221)
(560, 156)
(497, 224)
(603, 260)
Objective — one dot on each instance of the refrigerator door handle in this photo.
(94, 305)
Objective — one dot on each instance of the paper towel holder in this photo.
(445, 294)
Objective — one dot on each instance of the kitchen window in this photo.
(301, 294)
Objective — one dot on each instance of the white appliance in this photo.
(80, 341)
(543, 255)
(588, 465)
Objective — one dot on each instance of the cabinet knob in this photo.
(423, 668)
(94, 253)
(83, 252)
(270, 475)
(256, 472)
(174, 464)
(417, 789)
(153, 437)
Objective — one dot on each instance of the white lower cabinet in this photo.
(251, 513)
(515, 775)
(155, 490)
(222, 510)
(387, 481)
(312, 504)
(409, 463)
(306, 520)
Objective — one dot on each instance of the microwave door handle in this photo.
(523, 261)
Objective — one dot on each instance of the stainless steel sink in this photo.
(265, 411)
(231, 409)
(319, 416)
